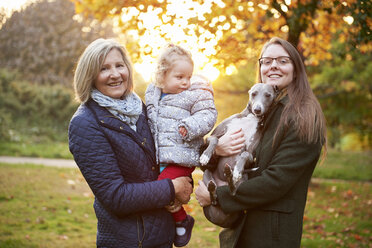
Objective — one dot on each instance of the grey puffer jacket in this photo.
(193, 109)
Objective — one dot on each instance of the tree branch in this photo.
(277, 6)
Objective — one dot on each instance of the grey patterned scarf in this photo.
(127, 110)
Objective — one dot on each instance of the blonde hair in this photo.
(303, 107)
(170, 54)
(90, 63)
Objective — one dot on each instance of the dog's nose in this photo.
(257, 111)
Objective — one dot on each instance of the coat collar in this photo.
(105, 118)
(279, 104)
(108, 120)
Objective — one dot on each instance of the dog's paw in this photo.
(237, 175)
(229, 177)
(204, 159)
(212, 187)
(227, 172)
(212, 192)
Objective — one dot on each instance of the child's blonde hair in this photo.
(170, 54)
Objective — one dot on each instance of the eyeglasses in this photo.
(281, 61)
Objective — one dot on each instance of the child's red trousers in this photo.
(173, 171)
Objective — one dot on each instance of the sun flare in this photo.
(152, 39)
(157, 35)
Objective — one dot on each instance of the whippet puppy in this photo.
(229, 170)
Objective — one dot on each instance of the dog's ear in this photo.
(247, 110)
(250, 90)
(249, 107)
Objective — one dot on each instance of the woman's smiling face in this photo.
(112, 80)
(275, 73)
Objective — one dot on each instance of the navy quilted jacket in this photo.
(119, 166)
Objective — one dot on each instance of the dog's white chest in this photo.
(248, 124)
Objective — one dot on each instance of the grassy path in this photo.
(67, 163)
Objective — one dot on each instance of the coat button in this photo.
(254, 159)
(121, 127)
(153, 168)
(102, 121)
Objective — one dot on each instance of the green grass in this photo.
(346, 165)
(337, 165)
(45, 207)
(35, 149)
(52, 207)
(338, 214)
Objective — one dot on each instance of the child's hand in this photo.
(182, 131)
(175, 207)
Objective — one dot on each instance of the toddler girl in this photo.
(181, 111)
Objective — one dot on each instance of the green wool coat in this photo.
(272, 201)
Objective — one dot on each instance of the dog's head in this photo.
(261, 96)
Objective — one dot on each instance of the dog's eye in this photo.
(267, 95)
(254, 94)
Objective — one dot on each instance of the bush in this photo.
(30, 110)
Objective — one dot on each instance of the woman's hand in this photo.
(230, 143)
(182, 188)
(202, 195)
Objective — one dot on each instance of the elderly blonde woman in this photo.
(112, 144)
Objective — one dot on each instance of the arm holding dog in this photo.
(230, 143)
(222, 142)
(202, 195)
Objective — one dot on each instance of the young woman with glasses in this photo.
(272, 201)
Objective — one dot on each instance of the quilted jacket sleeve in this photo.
(99, 166)
(150, 105)
(203, 114)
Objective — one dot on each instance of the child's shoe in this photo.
(183, 231)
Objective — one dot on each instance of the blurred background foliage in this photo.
(238, 29)
(40, 45)
(37, 112)
(44, 40)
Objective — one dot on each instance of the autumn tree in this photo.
(344, 88)
(237, 29)
(44, 40)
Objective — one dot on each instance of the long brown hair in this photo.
(303, 107)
